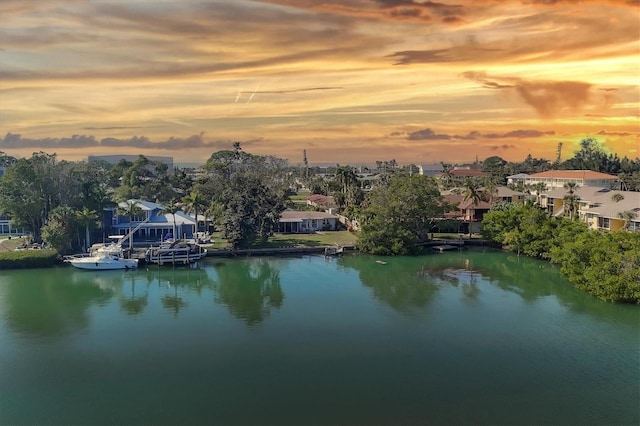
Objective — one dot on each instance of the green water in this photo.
(456, 338)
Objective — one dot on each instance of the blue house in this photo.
(153, 223)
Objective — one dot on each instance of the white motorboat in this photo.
(108, 257)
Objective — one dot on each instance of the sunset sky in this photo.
(350, 81)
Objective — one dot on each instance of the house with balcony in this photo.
(558, 178)
(599, 208)
(153, 223)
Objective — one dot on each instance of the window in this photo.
(604, 222)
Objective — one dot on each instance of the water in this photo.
(455, 338)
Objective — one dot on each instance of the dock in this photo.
(446, 247)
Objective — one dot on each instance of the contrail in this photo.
(253, 94)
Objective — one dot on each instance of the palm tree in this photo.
(570, 200)
(172, 208)
(571, 203)
(86, 218)
(192, 203)
(129, 208)
(627, 216)
(491, 190)
(471, 191)
(617, 197)
(571, 186)
(539, 187)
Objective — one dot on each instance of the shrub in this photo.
(24, 259)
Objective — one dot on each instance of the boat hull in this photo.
(103, 264)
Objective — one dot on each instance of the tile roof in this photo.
(603, 200)
(573, 174)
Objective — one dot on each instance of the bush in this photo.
(24, 259)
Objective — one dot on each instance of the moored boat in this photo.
(108, 257)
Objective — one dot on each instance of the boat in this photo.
(102, 258)
(175, 252)
(106, 256)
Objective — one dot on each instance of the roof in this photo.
(573, 174)
(503, 191)
(435, 167)
(467, 172)
(320, 199)
(296, 216)
(481, 205)
(518, 176)
(602, 200)
(144, 205)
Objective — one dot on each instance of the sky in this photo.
(349, 81)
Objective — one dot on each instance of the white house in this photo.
(558, 178)
(293, 221)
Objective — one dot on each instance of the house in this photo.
(7, 229)
(460, 175)
(471, 214)
(292, 221)
(154, 223)
(435, 169)
(558, 178)
(600, 208)
(517, 179)
(324, 202)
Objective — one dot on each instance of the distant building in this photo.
(517, 179)
(558, 178)
(430, 169)
(115, 159)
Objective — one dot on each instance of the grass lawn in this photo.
(9, 245)
(328, 238)
(300, 199)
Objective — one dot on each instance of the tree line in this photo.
(605, 264)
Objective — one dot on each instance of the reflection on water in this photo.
(459, 338)
(250, 289)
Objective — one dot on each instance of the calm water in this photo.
(456, 338)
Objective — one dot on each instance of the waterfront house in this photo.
(154, 223)
(600, 208)
(558, 178)
(293, 221)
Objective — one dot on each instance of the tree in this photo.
(617, 197)
(194, 202)
(172, 207)
(251, 211)
(570, 201)
(496, 166)
(87, 219)
(129, 208)
(627, 216)
(539, 188)
(397, 218)
(58, 231)
(471, 191)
